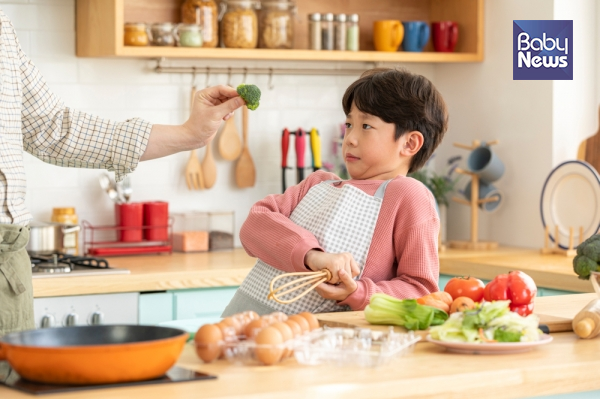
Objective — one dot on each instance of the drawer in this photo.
(155, 307)
(206, 302)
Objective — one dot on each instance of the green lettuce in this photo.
(385, 309)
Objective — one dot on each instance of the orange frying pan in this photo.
(93, 354)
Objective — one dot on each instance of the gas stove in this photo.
(63, 265)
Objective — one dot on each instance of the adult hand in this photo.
(338, 292)
(318, 260)
(210, 108)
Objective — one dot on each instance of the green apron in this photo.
(16, 289)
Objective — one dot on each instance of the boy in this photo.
(376, 232)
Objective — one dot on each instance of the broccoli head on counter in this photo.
(250, 94)
(588, 257)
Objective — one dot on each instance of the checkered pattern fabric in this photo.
(33, 119)
(342, 220)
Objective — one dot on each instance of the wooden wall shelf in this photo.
(100, 30)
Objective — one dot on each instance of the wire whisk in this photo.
(309, 278)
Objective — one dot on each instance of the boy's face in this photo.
(370, 150)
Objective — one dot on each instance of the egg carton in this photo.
(352, 347)
(248, 352)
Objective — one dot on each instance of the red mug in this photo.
(131, 217)
(445, 36)
(156, 214)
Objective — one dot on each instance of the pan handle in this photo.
(2, 351)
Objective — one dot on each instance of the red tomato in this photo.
(515, 286)
(470, 287)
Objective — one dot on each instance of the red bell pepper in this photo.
(517, 287)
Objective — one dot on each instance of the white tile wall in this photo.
(124, 88)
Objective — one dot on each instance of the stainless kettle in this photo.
(48, 238)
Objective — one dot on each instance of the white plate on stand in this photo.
(571, 198)
(495, 348)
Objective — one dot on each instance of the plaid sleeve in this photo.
(66, 137)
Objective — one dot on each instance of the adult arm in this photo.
(270, 235)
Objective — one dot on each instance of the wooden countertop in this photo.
(229, 268)
(428, 372)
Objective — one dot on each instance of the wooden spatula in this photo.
(230, 145)
(245, 174)
(193, 170)
(209, 167)
(589, 149)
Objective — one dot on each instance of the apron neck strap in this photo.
(378, 194)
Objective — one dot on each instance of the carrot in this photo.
(484, 338)
(442, 296)
(428, 300)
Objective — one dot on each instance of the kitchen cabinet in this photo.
(541, 290)
(100, 27)
(155, 307)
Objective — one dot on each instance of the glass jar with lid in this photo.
(188, 35)
(161, 34)
(276, 24)
(135, 34)
(205, 14)
(239, 25)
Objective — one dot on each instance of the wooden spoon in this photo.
(230, 146)
(245, 174)
(193, 170)
(209, 167)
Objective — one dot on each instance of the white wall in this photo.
(123, 88)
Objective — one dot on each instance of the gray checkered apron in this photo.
(342, 220)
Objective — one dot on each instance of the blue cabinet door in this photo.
(155, 307)
(201, 303)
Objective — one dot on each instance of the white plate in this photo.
(496, 348)
(571, 198)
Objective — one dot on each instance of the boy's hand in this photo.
(338, 292)
(317, 260)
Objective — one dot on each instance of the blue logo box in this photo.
(542, 50)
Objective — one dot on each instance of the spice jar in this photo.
(276, 24)
(135, 34)
(203, 13)
(327, 32)
(340, 32)
(353, 33)
(188, 35)
(314, 31)
(239, 26)
(161, 34)
(69, 240)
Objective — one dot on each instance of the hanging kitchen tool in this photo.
(86, 355)
(589, 149)
(300, 145)
(193, 170)
(245, 173)
(285, 143)
(306, 278)
(230, 146)
(315, 146)
(209, 167)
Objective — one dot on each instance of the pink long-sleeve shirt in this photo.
(403, 257)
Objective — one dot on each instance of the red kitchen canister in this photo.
(130, 217)
(156, 221)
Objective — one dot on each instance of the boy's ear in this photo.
(413, 141)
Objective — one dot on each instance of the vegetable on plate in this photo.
(517, 287)
(488, 322)
(250, 94)
(385, 309)
(465, 286)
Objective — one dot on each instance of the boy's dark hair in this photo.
(408, 100)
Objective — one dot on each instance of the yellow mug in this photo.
(387, 35)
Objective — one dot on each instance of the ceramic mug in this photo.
(445, 36)
(486, 164)
(387, 35)
(485, 191)
(416, 35)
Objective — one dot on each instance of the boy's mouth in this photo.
(349, 157)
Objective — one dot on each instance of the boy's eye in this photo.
(348, 125)
(365, 126)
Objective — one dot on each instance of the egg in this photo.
(286, 333)
(228, 328)
(208, 340)
(269, 349)
(301, 322)
(294, 326)
(254, 327)
(312, 320)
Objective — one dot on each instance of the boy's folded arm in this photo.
(270, 235)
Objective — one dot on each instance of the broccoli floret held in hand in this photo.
(250, 94)
(588, 257)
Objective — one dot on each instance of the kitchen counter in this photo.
(229, 268)
(568, 364)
